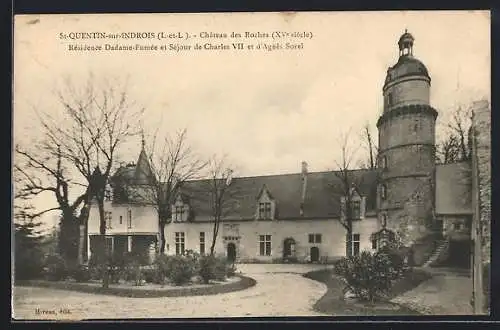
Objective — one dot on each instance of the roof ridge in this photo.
(288, 174)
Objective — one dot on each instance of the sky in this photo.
(266, 110)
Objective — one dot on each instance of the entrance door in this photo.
(231, 252)
(288, 248)
(314, 254)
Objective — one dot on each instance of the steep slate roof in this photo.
(453, 188)
(322, 198)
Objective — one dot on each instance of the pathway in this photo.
(280, 291)
(447, 293)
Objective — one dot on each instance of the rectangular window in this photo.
(129, 218)
(121, 220)
(202, 243)
(314, 238)
(107, 218)
(109, 244)
(355, 244)
(265, 211)
(179, 211)
(179, 243)
(318, 238)
(352, 244)
(265, 245)
(355, 210)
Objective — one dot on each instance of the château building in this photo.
(298, 217)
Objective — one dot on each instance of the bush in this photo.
(55, 268)
(206, 268)
(161, 265)
(487, 286)
(180, 269)
(221, 268)
(152, 275)
(369, 276)
(81, 273)
(230, 270)
(397, 261)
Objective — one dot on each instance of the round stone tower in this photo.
(407, 146)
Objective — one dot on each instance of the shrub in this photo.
(230, 270)
(161, 265)
(369, 276)
(55, 268)
(180, 269)
(487, 286)
(81, 273)
(206, 268)
(397, 261)
(221, 266)
(152, 275)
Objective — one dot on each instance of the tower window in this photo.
(383, 192)
(390, 99)
(383, 162)
(384, 220)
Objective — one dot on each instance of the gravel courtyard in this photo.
(280, 291)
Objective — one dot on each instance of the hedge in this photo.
(244, 283)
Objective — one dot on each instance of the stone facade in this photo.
(482, 126)
(407, 149)
(246, 235)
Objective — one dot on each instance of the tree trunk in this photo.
(162, 237)
(68, 238)
(214, 237)
(107, 256)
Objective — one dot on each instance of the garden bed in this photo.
(334, 303)
(235, 283)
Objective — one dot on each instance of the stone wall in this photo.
(413, 223)
(482, 124)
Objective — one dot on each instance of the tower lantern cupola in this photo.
(406, 44)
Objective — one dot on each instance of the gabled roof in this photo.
(322, 198)
(453, 188)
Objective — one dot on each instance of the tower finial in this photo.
(143, 141)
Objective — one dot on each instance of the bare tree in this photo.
(455, 144)
(347, 181)
(79, 145)
(369, 144)
(171, 162)
(220, 192)
(39, 171)
(449, 150)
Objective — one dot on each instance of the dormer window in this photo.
(265, 211)
(265, 205)
(179, 212)
(108, 193)
(353, 208)
(356, 209)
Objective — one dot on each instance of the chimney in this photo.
(304, 187)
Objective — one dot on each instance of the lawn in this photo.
(333, 303)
